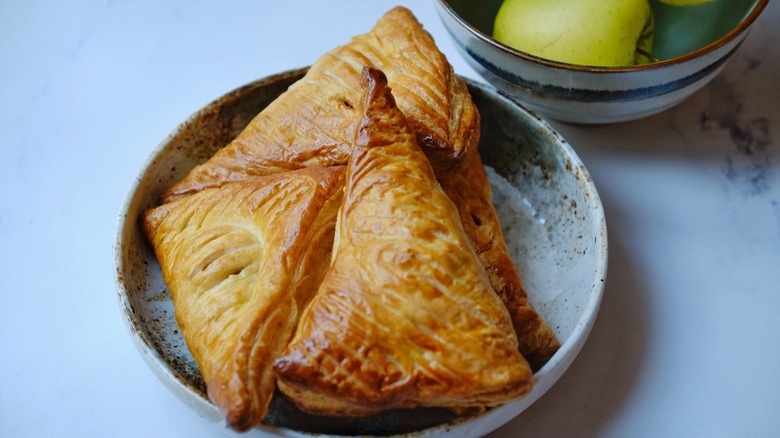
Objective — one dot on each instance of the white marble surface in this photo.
(685, 344)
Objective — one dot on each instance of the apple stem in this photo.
(648, 55)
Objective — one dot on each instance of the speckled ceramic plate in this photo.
(547, 203)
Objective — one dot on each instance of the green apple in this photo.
(685, 2)
(604, 33)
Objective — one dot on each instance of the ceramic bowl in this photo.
(547, 203)
(693, 47)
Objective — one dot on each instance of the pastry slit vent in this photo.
(477, 220)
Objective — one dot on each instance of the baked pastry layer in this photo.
(241, 262)
(471, 193)
(311, 124)
(406, 315)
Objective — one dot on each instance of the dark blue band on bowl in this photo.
(590, 95)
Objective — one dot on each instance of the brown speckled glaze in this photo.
(548, 206)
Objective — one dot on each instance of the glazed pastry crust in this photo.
(406, 315)
(311, 124)
(241, 262)
(472, 195)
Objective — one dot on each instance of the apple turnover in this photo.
(472, 195)
(311, 123)
(406, 315)
(241, 262)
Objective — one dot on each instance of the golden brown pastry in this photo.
(312, 122)
(472, 195)
(406, 315)
(241, 261)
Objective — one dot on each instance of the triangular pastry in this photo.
(406, 315)
(241, 262)
(472, 195)
(312, 122)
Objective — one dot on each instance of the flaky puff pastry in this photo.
(241, 262)
(406, 315)
(472, 195)
(312, 122)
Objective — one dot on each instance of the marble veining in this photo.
(749, 163)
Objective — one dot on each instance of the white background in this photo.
(686, 343)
